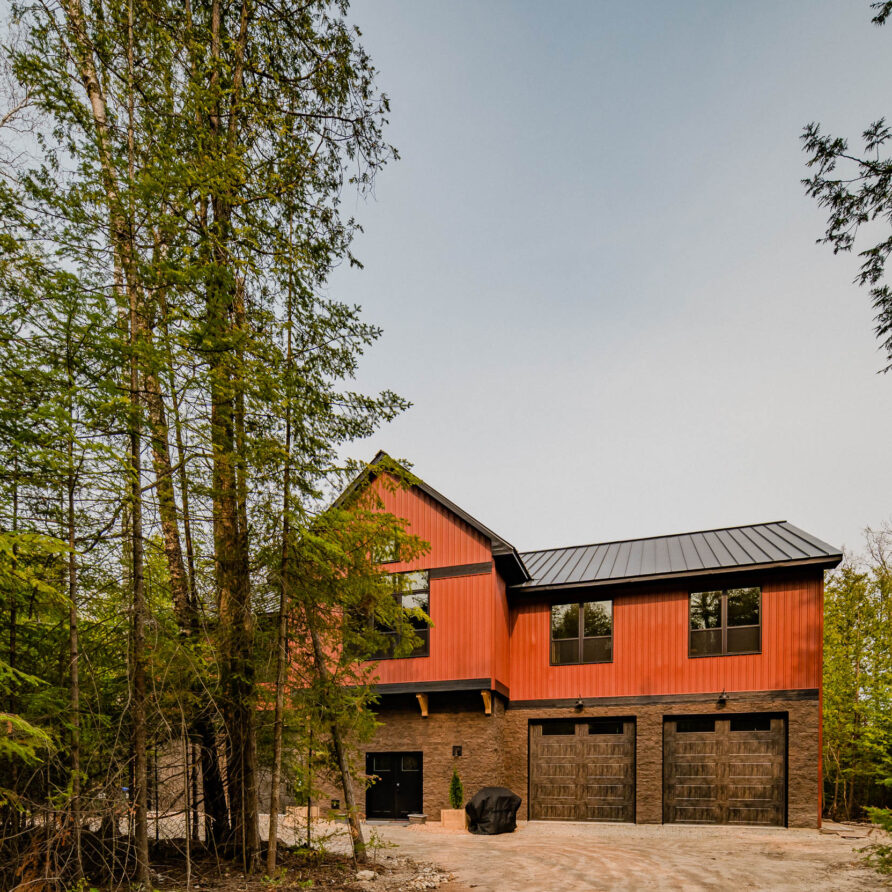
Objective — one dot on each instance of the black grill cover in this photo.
(493, 810)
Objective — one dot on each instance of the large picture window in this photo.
(582, 633)
(726, 621)
(414, 593)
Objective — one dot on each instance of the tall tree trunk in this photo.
(126, 257)
(139, 598)
(229, 502)
(236, 625)
(356, 837)
(282, 634)
(138, 659)
(74, 690)
(216, 818)
(167, 504)
(14, 814)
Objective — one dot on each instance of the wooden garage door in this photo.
(728, 770)
(582, 770)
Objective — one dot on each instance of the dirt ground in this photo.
(565, 857)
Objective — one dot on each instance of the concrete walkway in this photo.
(565, 857)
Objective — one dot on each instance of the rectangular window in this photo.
(582, 633)
(751, 723)
(605, 726)
(387, 552)
(414, 596)
(558, 729)
(695, 726)
(726, 621)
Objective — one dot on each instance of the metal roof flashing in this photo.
(702, 553)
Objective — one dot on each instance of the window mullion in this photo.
(724, 622)
(581, 631)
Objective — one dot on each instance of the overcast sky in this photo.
(596, 267)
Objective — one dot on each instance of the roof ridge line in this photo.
(739, 526)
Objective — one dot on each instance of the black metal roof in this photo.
(707, 551)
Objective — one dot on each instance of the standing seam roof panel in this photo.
(733, 547)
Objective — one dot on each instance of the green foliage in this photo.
(456, 790)
(880, 854)
(855, 188)
(213, 206)
(858, 680)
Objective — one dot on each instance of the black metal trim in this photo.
(502, 689)
(533, 589)
(460, 570)
(799, 694)
(424, 687)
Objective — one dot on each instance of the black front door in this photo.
(396, 789)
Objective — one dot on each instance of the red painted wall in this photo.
(650, 648)
(501, 641)
(463, 609)
(452, 541)
(481, 632)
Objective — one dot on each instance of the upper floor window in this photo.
(413, 593)
(726, 621)
(582, 633)
(387, 552)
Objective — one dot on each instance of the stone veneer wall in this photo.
(495, 748)
(453, 720)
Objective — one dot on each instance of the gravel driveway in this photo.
(565, 857)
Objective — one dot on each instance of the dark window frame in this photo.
(723, 624)
(581, 636)
(389, 553)
(422, 650)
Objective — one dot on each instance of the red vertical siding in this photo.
(501, 667)
(650, 649)
(452, 541)
(463, 638)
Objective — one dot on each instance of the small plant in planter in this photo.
(455, 818)
(456, 790)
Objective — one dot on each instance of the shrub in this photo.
(456, 790)
(881, 853)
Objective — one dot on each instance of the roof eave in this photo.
(826, 562)
(504, 553)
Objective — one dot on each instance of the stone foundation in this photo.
(495, 748)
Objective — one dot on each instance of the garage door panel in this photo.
(558, 769)
(752, 747)
(606, 769)
(746, 815)
(612, 750)
(583, 776)
(688, 792)
(605, 791)
(747, 770)
(695, 749)
(699, 814)
(555, 791)
(734, 774)
(605, 813)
